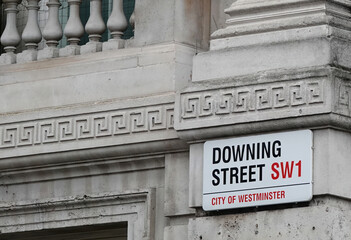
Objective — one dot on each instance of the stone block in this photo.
(99, 77)
(70, 50)
(113, 44)
(191, 22)
(177, 184)
(332, 166)
(326, 218)
(195, 175)
(29, 55)
(244, 60)
(48, 52)
(218, 17)
(179, 232)
(182, 21)
(7, 58)
(91, 47)
(159, 57)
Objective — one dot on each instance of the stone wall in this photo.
(116, 138)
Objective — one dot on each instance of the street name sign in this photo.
(257, 170)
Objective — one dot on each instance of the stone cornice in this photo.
(86, 126)
(309, 98)
(124, 128)
(79, 170)
(252, 17)
(277, 100)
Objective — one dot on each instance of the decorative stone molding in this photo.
(126, 116)
(94, 132)
(308, 98)
(136, 208)
(250, 17)
(343, 95)
(108, 128)
(238, 100)
(88, 169)
(89, 126)
(247, 103)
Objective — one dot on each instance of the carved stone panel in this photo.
(238, 104)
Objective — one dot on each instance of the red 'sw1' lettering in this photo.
(286, 169)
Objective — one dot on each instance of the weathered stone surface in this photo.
(257, 17)
(70, 50)
(176, 232)
(110, 124)
(26, 56)
(177, 177)
(113, 44)
(196, 175)
(218, 17)
(267, 35)
(91, 105)
(91, 47)
(104, 137)
(135, 208)
(180, 21)
(7, 58)
(252, 103)
(48, 53)
(120, 74)
(325, 218)
(332, 163)
(248, 60)
(114, 190)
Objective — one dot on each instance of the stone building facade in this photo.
(106, 140)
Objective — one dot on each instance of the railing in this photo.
(53, 32)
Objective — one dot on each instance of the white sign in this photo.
(257, 170)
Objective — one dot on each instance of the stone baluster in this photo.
(10, 37)
(95, 27)
(31, 34)
(74, 29)
(117, 24)
(52, 32)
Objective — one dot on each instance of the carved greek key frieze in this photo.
(343, 94)
(89, 126)
(240, 100)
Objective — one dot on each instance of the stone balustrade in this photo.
(52, 33)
